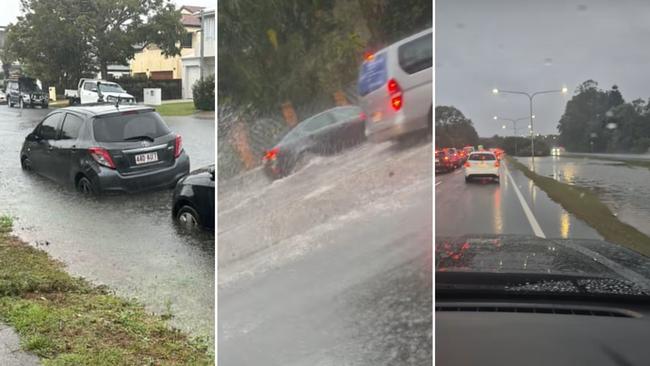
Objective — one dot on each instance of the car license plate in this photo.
(146, 158)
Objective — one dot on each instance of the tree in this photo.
(64, 39)
(453, 129)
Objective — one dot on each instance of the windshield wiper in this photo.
(139, 137)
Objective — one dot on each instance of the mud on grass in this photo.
(68, 321)
(584, 204)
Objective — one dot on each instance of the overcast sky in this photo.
(532, 45)
(11, 8)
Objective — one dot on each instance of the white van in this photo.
(395, 88)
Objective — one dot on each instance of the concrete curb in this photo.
(10, 352)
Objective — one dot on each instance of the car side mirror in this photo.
(33, 137)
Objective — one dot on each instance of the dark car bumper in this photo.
(110, 180)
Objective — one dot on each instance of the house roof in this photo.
(190, 20)
(191, 8)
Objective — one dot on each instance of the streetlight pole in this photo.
(514, 126)
(531, 96)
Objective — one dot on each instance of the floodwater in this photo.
(623, 188)
(128, 242)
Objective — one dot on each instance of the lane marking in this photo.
(529, 214)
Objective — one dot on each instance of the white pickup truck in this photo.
(94, 91)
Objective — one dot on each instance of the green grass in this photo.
(68, 321)
(176, 109)
(585, 205)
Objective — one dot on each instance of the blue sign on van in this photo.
(372, 75)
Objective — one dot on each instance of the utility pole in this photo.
(202, 44)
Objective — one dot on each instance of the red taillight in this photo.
(395, 92)
(467, 164)
(102, 157)
(446, 157)
(368, 56)
(362, 116)
(271, 154)
(178, 146)
(496, 164)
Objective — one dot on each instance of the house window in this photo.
(186, 42)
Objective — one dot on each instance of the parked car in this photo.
(103, 148)
(443, 162)
(193, 200)
(325, 133)
(97, 91)
(482, 164)
(454, 157)
(395, 88)
(25, 92)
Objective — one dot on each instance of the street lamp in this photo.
(514, 126)
(530, 99)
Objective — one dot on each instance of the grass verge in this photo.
(68, 321)
(584, 204)
(176, 109)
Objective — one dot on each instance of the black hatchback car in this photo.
(102, 147)
(193, 200)
(325, 133)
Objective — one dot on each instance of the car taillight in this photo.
(178, 146)
(362, 116)
(467, 165)
(271, 154)
(446, 157)
(102, 157)
(496, 164)
(395, 92)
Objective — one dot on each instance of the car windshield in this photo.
(324, 175)
(110, 88)
(127, 126)
(570, 135)
(29, 86)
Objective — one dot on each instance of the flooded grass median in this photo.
(586, 205)
(66, 320)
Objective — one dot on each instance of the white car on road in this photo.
(481, 164)
(395, 88)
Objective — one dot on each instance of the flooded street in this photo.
(623, 188)
(128, 242)
(330, 265)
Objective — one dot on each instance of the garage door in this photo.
(192, 74)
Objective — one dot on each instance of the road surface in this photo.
(332, 265)
(484, 207)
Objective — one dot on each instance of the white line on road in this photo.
(529, 214)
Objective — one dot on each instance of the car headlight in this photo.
(111, 98)
(26, 97)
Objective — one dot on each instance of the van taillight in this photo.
(395, 92)
(178, 146)
(102, 157)
(271, 154)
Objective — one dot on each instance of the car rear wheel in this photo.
(188, 217)
(86, 187)
(467, 179)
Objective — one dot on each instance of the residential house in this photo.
(193, 64)
(150, 61)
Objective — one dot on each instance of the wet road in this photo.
(330, 266)
(127, 242)
(623, 188)
(484, 207)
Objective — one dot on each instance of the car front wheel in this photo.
(188, 217)
(26, 164)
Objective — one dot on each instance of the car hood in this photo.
(525, 254)
(202, 176)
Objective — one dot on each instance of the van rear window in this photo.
(372, 75)
(482, 157)
(416, 55)
(121, 127)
